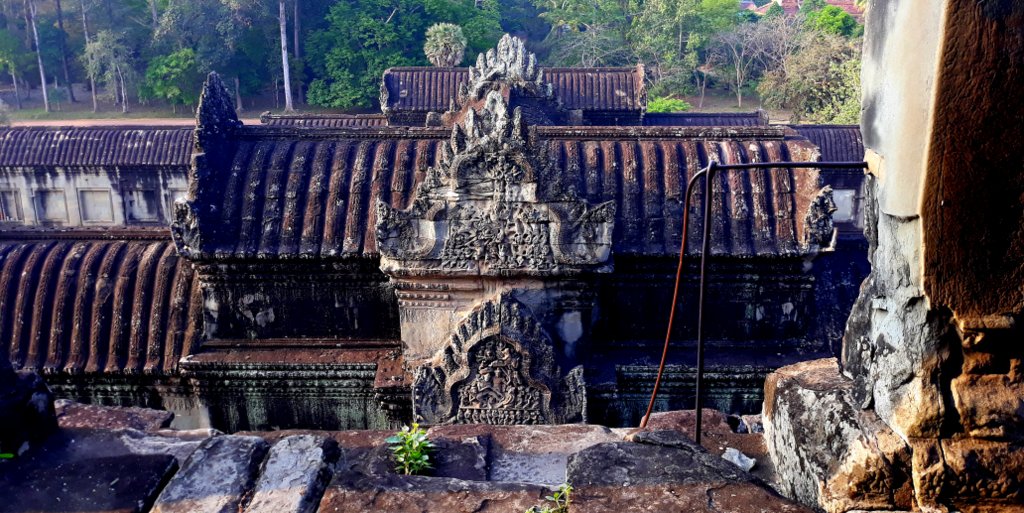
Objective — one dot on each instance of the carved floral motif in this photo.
(488, 207)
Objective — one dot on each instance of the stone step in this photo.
(216, 477)
(295, 474)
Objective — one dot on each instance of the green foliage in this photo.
(109, 59)
(809, 6)
(668, 104)
(172, 78)
(820, 82)
(774, 11)
(559, 501)
(833, 20)
(14, 59)
(672, 36)
(5, 120)
(362, 38)
(446, 45)
(411, 449)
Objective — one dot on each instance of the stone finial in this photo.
(509, 63)
(215, 117)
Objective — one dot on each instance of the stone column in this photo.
(928, 410)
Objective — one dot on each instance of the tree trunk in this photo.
(124, 91)
(92, 79)
(64, 53)
(31, 6)
(282, 21)
(298, 48)
(154, 14)
(703, 87)
(238, 94)
(17, 94)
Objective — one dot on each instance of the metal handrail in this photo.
(708, 173)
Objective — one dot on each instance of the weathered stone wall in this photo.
(932, 347)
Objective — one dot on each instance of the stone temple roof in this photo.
(305, 193)
(89, 305)
(756, 118)
(324, 120)
(431, 89)
(96, 146)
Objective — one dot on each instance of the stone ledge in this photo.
(827, 452)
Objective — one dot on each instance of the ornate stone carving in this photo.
(486, 210)
(498, 368)
(510, 64)
(818, 225)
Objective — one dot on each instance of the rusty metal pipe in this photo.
(709, 173)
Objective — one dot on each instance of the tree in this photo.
(597, 45)
(173, 78)
(92, 76)
(671, 37)
(775, 11)
(362, 38)
(739, 52)
(819, 82)
(284, 58)
(446, 45)
(30, 8)
(12, 60)
(109, 59)
(833, 20)
(62, 44)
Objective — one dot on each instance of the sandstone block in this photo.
(827, 452)
(531, 454)
(357, 492)
(296, 472)
(674, 475)
(215, 477)
(77, 415)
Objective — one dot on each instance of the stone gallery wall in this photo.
(924, 410)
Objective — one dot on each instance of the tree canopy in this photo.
(158, 51)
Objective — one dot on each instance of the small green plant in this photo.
(560, 500)
(668, 104)
(411, 449)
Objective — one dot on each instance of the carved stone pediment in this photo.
(498, 368)
(484, 209)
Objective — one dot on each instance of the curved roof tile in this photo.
(95, 146)
(89, 306)
(312, 197)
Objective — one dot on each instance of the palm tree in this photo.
(446, 45)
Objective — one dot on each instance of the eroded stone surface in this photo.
(90, 470)
(215, 477)
(296, 472)
(531, 454)
(77, 415)
(673, 475)
(354, 491)
(827, 451)
(718, 436)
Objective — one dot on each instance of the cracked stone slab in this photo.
(531, 454)
(77, 415)
(296, 471)
(666, 473)
(215, 477)
(358, 492)
(84, 470)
